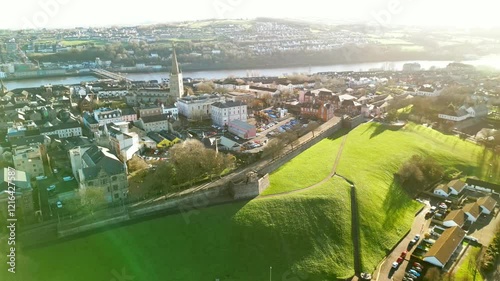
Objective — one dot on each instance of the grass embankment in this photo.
(371, 156)
(308, 168)
(307, 234)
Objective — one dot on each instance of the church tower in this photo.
(176, 82)
(3, 89)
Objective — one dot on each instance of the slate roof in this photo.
(97, 158)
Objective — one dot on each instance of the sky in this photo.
(20, 14)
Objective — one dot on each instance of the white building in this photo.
(153, 123)
(105, 116)
(171, 111)
(427, 91)
(123, 143)
(225, 112)
(198, 107)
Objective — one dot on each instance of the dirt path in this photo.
(332, 173)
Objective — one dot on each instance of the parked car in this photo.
(415, 239)
(403, 254)
(52, 187)
(59, 204)
(417, 269)
(417, 264)
(395, 264)
(410, 275)
(68, 178)
(400, 260)
(414, 272)
(433, 209)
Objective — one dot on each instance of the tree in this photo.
(418, 172)
(433, 274)
(91, 198)
(205, 87)
(312, 127)
(136, 164)
(273, 148)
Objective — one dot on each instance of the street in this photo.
(385, 270)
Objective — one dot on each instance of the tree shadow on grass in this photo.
(381, 127)
(396, 200)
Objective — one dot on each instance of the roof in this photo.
(154, 118)
(458, 185)
(443, 188)
(228, 104)
(446, 244)
(20, 179)
(98, 158)
(241, 124)
(458, 216)
(487, 202)
(489, 185)
(473, 209)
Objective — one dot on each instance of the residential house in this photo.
(170, 111)
(320, 111)
(442, 190)
(96, 167)
(225, 112)
(22, 194)
(455, 218)
(480, 110)
(454, 187)
(129, 115)
(147, 111)
(163, 140)
(473, 211)
(442, 250)
(487, 204)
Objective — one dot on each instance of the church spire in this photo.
(3, 89)
(175, 64)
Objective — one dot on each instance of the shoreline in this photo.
(186, 68)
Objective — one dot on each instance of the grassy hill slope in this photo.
(371, 156)
(307, 234)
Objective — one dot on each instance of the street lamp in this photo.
(270, 273)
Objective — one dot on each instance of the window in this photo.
(113, 178)
(117, 196)
(115, 187)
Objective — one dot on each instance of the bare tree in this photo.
(91, 198)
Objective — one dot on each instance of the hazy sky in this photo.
(19, 14)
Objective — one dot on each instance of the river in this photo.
(490, 61)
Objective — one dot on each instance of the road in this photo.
(385, 271)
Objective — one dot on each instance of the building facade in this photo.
(225, 112)
(29, 159)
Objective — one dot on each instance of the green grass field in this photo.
(308, 168)
(371, 156)
(306, 235)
